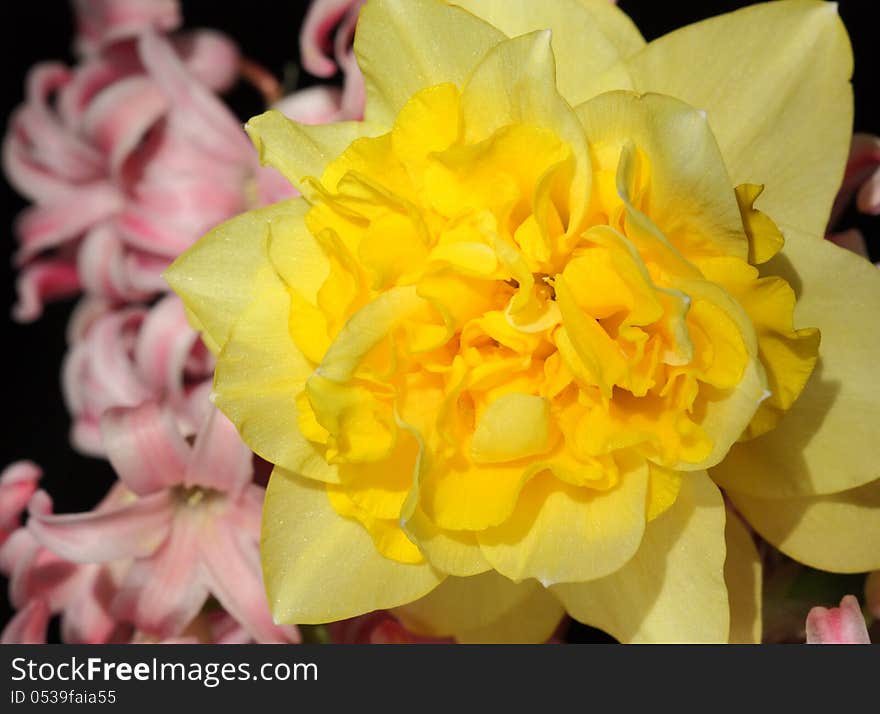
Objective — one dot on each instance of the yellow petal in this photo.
(673, 589)
(300, 150)
(259, 374)
(512, 427)
(403, 46)
(826, 442)
(320, 567)
(237, 251)
(486, 608)
(773, 80)
(663, 487)
(765, 239)
(691, 200)
(838, 532)
(742, 573)
(563, 534)
(589, 38)
(453, 552)
(515, 84)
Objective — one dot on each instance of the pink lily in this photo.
(191, 527)
(126, 356)
(843, 625)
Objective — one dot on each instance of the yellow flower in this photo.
(535, 309)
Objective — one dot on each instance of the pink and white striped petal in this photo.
(162, 594)
(197, 114)
(41, 227)
(315, 38)
(101, 22)
(18, 482)
(28, 626)
(145, 447)
(211, 57)
(232, 571)
(42, 282)
(220, 460)
(134, 530)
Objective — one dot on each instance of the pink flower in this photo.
(17, 484)
(190, 525)
(376, 628)
(872, 594)
(103, 22)
(125, 356)
(82, 594)
(133, 160)
(28, 625)
(862, 181)
(843, 625)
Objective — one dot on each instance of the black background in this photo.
(35, 423)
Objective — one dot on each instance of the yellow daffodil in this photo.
(557, 289)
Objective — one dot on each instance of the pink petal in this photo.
(42, 282)
(28, 175)
(87, 618)
(103, 266)
(233, 575)
(220, 460)
(145, 447)
(843, 625)
(119, 117)
(163, 346)
(100, 22)
(87, 81)
(50, 141)
(134, 530)
(29, 625)
(315, 105)
(872, 594)
(225, 630)
(212, 57)
(18, 482)
(46, 226)
(97, 372)
(200, 115)
(163, 593)
(314, 40)
(862, 177)
(143, 272)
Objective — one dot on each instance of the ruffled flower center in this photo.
(483, 321)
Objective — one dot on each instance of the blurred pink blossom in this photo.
(129, 158)
(843, 625)
(102, 22)
(82, 594)
(125, 356)
(327, 46)
(862, 181)
(376, 628)
(872, 594)
(189, 525)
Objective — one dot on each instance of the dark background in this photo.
(34, 419)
